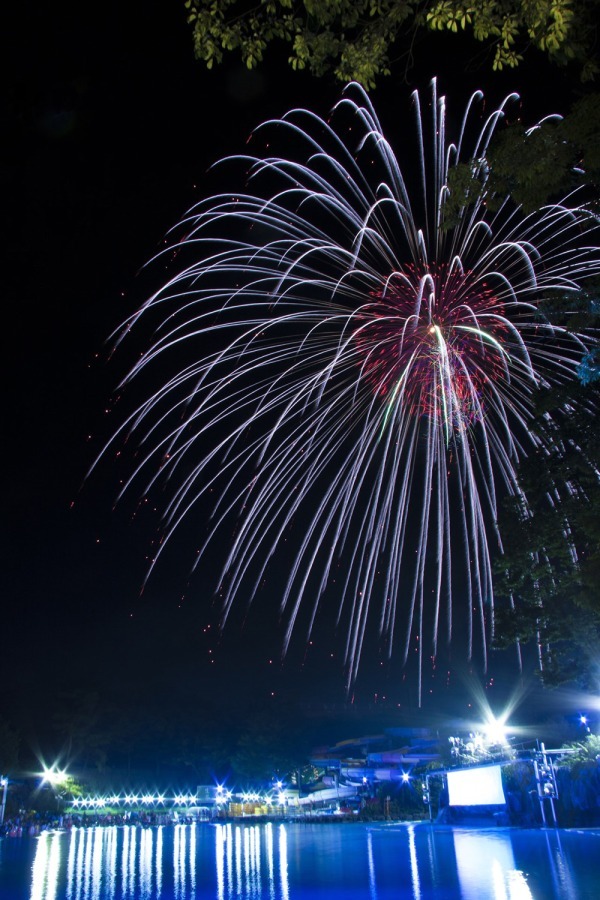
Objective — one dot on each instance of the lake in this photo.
(295, 861)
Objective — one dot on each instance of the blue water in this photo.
(299, 861)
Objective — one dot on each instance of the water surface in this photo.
(301, 861)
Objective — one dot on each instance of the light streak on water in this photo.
(270, 866)
(159, 856)
(45, 868)
(238, 854)
(372, 878)
(96, 865)
(252, 862)
(255, 865)
(193, 853)
(179, 856)
(71, 867)
(486, 866)
(414, 865)
(283, 863)
(88, 860)
(111, 855)
(53, 867)
(128, 865)
(221, 840)
(145, 862)
(562, 876)
(247, 857)
(229, 848)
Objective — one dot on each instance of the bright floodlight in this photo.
(54, 776)
(495, 730)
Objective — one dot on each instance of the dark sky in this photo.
(109, 125)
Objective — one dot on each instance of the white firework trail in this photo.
(340, 357)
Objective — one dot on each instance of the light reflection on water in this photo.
(298, 861)
(486, 865)
(245, 862)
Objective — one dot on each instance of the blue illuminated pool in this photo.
(299, 861)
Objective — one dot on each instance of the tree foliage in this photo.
(358, 39)
(547, 580)
(533, 165)
(78, 719)
(270, 744)
(584, 751)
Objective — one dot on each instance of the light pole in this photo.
(4, 783)
(56, 778)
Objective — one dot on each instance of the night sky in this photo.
(109, 125)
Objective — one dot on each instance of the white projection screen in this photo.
(476, 787)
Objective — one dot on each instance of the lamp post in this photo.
(57, 779)
(4, 783)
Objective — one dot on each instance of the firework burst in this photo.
(339, 357)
